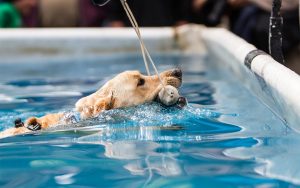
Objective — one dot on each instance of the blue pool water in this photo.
(224, 138)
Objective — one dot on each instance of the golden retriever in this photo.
(127, 89)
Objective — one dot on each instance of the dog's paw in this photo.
(18, 123)
(33, 124)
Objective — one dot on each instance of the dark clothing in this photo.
(246, 22)
(150, 12)
(253, 25)
(210, 14)
(91, 15)
(9, 16)
(32, 19)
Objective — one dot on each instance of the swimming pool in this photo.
(210, 143)
(226, 136)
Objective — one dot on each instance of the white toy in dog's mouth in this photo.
(169, 96)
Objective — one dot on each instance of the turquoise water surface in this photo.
(224, 138)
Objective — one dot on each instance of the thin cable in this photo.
(135, 27)
(134, 23)
(144, 49)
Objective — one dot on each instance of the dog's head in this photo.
(129, 88)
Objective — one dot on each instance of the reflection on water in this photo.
(223, 138)
(280, 162)
(145, 157)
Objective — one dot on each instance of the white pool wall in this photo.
(53, 44)
(275, 85)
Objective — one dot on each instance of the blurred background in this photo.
(248, 19)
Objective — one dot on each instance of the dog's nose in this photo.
(182, 102)
(177, 73)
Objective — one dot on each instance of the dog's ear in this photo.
(105, 103)
(92, 105)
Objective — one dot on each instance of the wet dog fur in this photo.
(129, 88)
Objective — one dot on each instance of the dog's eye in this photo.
(141, 82)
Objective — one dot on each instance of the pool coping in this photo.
(59, 43)
(274, 84)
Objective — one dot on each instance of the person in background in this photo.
(149, 13)
(208, 12)
(251, 22)
(59, 13)
(267, 4)
(12, 12)
(70, 13)
(91, 15)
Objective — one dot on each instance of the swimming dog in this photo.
(129, 88)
